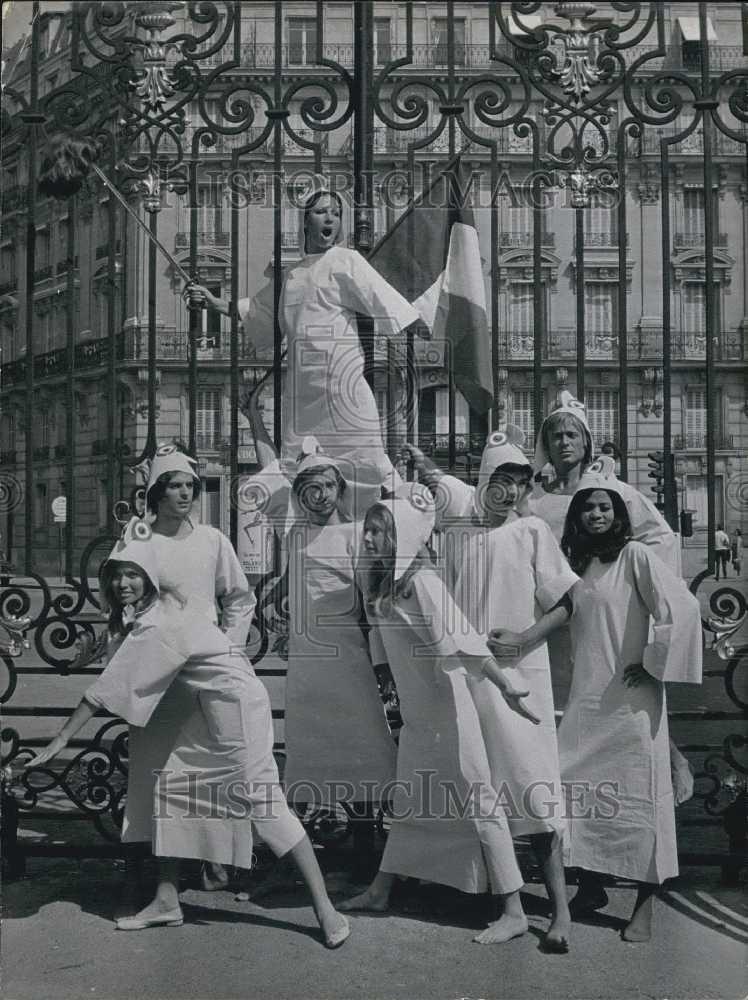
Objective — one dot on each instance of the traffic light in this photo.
(664, 487)
(657, 472)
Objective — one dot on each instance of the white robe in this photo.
(326, 393)
(219, 770)
(448, 826)
(204, 569)
(509, 577)
(613, 739)
(338, 743)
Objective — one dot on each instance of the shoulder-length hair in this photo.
(579, 547)
(110, 604)
(554, 420)
(382, 590)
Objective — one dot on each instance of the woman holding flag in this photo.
(327, 394)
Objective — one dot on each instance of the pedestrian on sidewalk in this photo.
(220, 773)
(736, 550)
(613, 737)
(721, 551)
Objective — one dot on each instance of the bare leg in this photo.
(590, 895)
(376, 897)
(547, 847)
(164, 908)
(213, 876)
(511, 924)
(639, 928)
(334, 926)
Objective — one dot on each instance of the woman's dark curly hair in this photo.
(579, 547)
(156, 493)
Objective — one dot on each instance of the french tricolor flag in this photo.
(431, 256)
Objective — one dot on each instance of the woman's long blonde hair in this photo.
(382, 590)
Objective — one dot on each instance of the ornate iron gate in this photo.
(601, 108)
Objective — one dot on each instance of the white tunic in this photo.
(336, 731)
(219, 771)
(204, 569)
(327, 394)
(448, 825)
(338, 743)
(509, 577)
(613, 739)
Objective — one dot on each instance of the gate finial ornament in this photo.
(576, 51)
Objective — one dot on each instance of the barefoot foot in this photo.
(558, 934)
(365, 901)
(334, 926)
(639, 928)
(501, 930)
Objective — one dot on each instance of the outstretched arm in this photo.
(510, 694)
(77, 721)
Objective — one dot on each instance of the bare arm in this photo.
(507, 645)
(77, 721)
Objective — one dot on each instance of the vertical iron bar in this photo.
(539, 335)
(234, 369)
(113, 459)
(494, 287)
(277, 223)
(667, 409)
(30, 266)
(623, 402)
(581, 344)
(711, 330)
(194, 315)
(451, 126)
(152, 344)
(70, 389)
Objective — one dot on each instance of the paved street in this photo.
(59, 941)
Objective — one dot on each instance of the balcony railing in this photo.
(13, 373)
(51, 363)
(208, 442)
(524, 238)
(62, 266)
(43, 273)
(205, 237)
(14, 197)
(561, 345)
(697, 442)
(8, 286)
(174, 346)
(603, 238)
(8, 456)
(104, 249)
(692, 145)
(688, 240)
(262, 56)
(41, 452)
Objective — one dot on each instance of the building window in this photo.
(302, 41)
(601, 308)
(602, 414)
(441, 35)
(695, 418)
(41, 512)
(600, 222)
(696, 500)
(382, 42)
(210, 502)
(208, 419)
(462, 415)
(694, 213)
(42, 247)
(8, 265)
(8, 432)
(694, 311)
(523, 414)
(211, 322)
(42, 428)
